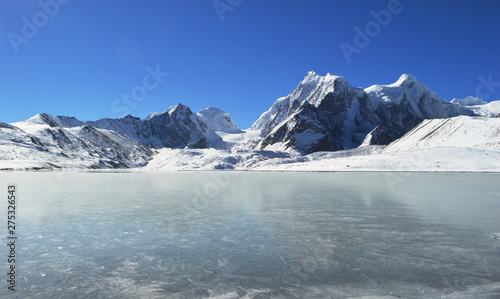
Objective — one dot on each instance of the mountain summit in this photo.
(218, 120)
(328, 114)
(403, 105)
(178, 127)
(320, 114)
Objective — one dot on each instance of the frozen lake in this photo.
(255, 235)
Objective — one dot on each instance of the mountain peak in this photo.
(128, 116)
(211, 109)
(54, 121)
(39, 118)
(151, 115)
(469, 101)
(312, 76)
(312, 89)
(179, 108)
(335, 78)
(218, 120)
(407, 78)
(311, 73)
(413, 85)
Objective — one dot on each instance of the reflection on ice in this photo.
(264, 235)
(495, 236)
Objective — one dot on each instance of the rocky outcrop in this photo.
(178, 127)
(328, 114)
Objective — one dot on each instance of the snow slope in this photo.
(434, 160)
(211, 159)
(222, 132)
(455, 144)
(467, 144)
(218, 120)
(479, 107)
(410, 90)
(456, 132)
(468, 101)
(55, 121)
(39, 143)
(491, 109)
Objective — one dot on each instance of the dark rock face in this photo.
(303, 132)
(321, 114)
(327, 114)
(403, 105)
(56, 121)
(178, 127)
(394, 121)
(327, 127)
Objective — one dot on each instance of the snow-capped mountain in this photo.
(218, 120)
(55, 121)
(403, 105)
(460, 143)
(327, 113)
(48, 142)
(468, 101)
(321, 114)
(480, 107)
(178, 127)
(221, 128)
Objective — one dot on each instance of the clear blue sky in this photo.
(86, 54)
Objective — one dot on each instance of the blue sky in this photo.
(93, 59)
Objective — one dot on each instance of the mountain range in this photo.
(322, 114)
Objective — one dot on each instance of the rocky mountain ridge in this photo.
(328, 114)
(323, 113)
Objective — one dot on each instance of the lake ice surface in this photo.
(255, 235)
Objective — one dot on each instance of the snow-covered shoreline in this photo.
(459, 144)
(430, 160)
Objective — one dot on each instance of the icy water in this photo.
(254, 235)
